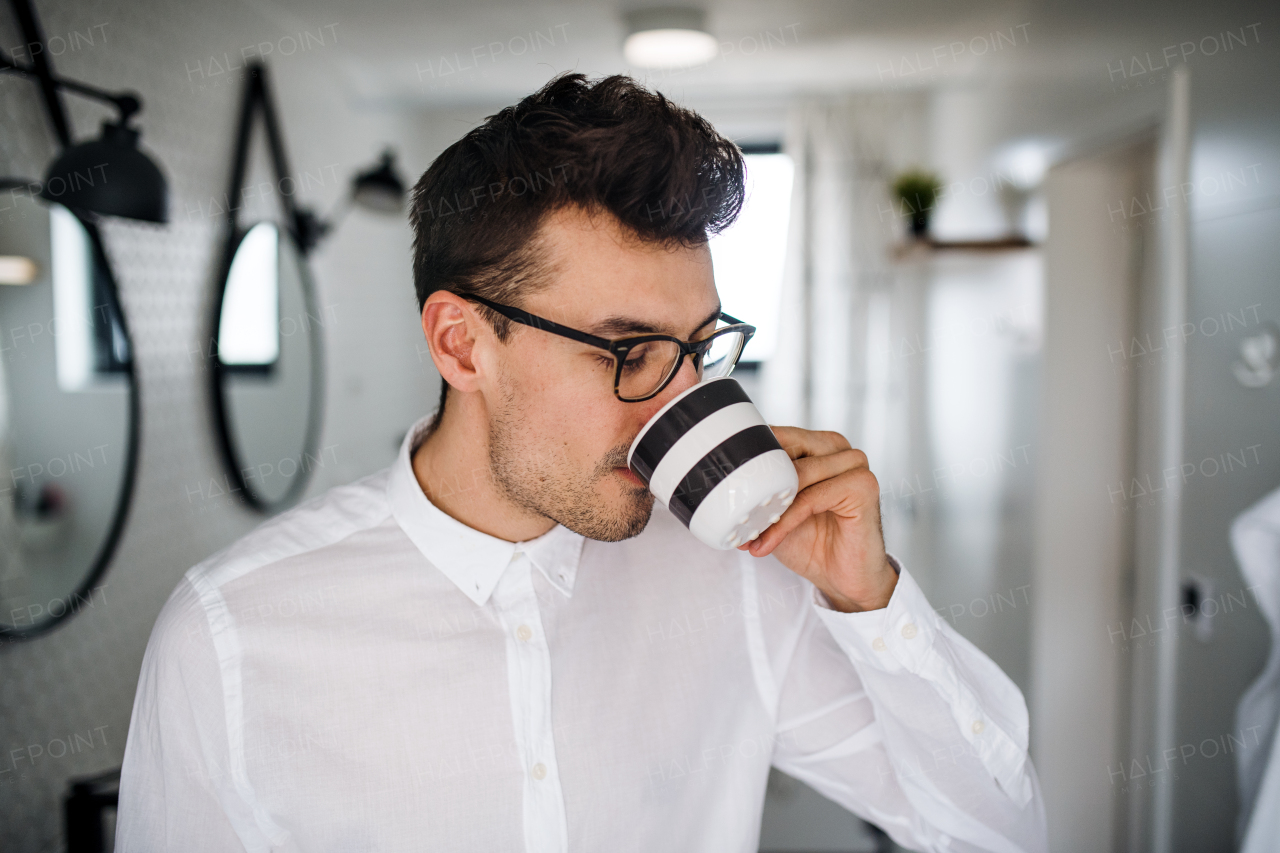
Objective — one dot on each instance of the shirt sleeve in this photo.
(175, 791)
(898, 718)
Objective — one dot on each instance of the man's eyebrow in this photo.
(612, 326)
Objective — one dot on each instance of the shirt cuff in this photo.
(894, 638)
(900, 637)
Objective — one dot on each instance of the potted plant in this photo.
(918, 191)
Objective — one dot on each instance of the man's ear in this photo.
(451, 327)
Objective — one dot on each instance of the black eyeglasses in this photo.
(645, 364)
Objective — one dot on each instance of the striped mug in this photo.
(710, 459)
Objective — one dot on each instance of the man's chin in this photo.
(622, 516)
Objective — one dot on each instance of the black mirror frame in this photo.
(124, 498)
(55, 112)
(300, 228)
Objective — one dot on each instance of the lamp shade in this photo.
(109, 176)
(668, 37)
(380, 189)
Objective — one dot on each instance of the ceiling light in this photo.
(15, 269)
(668, 38)
(1025, 162)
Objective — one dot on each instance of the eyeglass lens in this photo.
(648, 365)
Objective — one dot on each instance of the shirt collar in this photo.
(474, 561)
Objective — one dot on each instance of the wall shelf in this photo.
(928, 245)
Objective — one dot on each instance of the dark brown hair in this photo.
(606, 146)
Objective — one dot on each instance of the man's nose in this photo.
(686, 377)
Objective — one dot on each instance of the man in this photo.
(497, 643)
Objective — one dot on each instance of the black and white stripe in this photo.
(709, 441)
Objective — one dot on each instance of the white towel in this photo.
(1255, 538)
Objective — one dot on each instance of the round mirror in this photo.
(267, 382)
(68, 417)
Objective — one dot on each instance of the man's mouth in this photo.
(630, 476)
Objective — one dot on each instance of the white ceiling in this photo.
(409, 54)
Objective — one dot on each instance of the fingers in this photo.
(800, 443)
(833, 477)
(846, 495)
(815, 469)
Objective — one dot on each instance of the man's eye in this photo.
(636, 360)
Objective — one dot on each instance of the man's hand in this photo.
(831, 532)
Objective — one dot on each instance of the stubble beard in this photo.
(543, 482)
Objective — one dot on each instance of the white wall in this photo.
(1234, 258)
(81, 678)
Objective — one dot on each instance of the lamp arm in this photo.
(338, 212)
(33, 33)
(126, 102)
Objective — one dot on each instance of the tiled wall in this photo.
(81, 677)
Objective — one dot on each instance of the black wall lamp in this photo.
(131, 184)
(379, 189)
(109, 175)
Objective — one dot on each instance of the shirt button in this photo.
(978, 726)
(539, 770)
(909, 630)
(524, 632)
(878, 644)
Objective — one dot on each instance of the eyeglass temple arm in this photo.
(533, 320)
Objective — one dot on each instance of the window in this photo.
(248, 332)
(89, 339)
(69, 250)
(749, 255)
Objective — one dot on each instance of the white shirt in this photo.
(365, 673)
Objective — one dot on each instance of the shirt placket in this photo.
(529, 684)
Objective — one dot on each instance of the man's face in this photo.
(558, 437)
